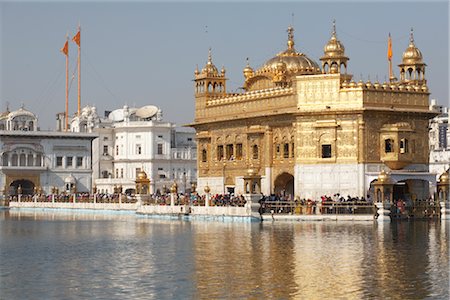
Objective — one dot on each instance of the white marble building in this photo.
(44, 161)
(134, 139)
(439, 140)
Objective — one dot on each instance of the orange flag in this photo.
(389, 51)
(65, 49)
(76, 38)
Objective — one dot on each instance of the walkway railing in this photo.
(312, 208)
(75, 198)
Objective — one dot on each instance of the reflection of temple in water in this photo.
(308, 129)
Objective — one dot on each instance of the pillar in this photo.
(173, 192)
(443, 195)
(208, 195)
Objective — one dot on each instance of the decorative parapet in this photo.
(249, 96)
(386, 86)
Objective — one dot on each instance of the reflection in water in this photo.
(55, 255)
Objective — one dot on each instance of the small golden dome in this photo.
(251, 172)
(142, 175)
(248, 71)
(444, 177)
(207, 189)
(412, 54)
(174, 188)
(383, 177)
(345, 84)
(210, 69)
(334, 47)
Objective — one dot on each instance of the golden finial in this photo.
(411, 36)
(209, 56)
(196, 72)
(334, 29)
(290, 32)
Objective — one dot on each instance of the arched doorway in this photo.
(27, 187)
(284, 185)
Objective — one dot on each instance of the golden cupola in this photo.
(209, 81)
(248, 74)
(296, 63)
(412, 68)
(334, 55)
(210, 69)
(248, 71)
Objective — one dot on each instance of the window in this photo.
(117, 173)
(160, 136)
(105, 138)
(189, 139)
(69, 161)
(230, 151)
(59, 160)
(105, 149)
(160, 169)
(160, 148)
(255, 153)
(403, 146)
(121, 173)
(220, 152)
(292, 151)
(117, 150)
(104, 174)
(204, 155)
(138, 149)
(286, 150)
(326, 151)
(239, 151)
(442, 132)
(79, 161)
(388, 145)
(277, 149)
(138, 137)
(162, 176)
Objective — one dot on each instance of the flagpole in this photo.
(391, 73)
(79, 72)
(67, 85)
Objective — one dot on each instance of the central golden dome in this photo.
(296, 63)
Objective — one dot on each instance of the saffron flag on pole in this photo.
(65, 49)
(389, 51)
(76, 38)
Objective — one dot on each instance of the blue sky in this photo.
(145, 52)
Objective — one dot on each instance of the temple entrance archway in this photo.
(27, 187)
(284, 185)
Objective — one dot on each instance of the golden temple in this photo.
(308, 130)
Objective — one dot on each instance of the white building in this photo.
(134, 139)
(42, 161)
(439, 140)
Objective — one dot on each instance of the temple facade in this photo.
(306, 129)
